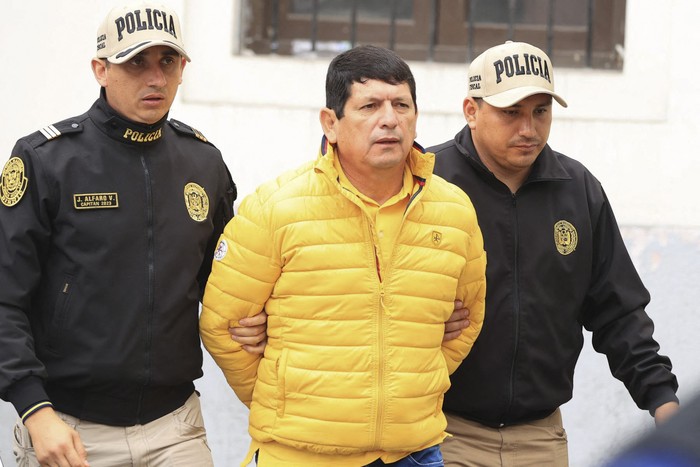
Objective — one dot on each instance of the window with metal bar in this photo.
(575, 33)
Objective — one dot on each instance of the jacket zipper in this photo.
(516, 308)
(381, 322)
(151, 276)
(379, 421)
(414, 196)
(380, 370)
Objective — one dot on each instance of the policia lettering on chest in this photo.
(14, 180)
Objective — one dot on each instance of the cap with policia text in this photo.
(508, 73)
(132, 28)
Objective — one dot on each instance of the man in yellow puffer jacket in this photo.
(357, 257)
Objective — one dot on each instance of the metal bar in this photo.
(470, 32)
(392, 29)
(550, 28)
(432, 26)
(589, 38)
(275, 23)
(314, 25)
(353, 24)
(511, 19)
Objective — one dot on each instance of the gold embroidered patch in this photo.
(196, 201)
(141, 137)
(565, 237)
(95, 200)
(13, 183)
(437, 237)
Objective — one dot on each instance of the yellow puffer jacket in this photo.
(354, 363)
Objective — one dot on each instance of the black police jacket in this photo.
(556, 263)
(107, 233)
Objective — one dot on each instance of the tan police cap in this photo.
(508, 73)
(131, 28)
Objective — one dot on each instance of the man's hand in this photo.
(664, 412)
(459, 319)
(55, 443)
(252, 334)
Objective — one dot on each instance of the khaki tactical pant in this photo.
(540, 443)
(176, 439)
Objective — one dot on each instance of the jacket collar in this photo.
(546, 167)
(123, 129)
(420, 162)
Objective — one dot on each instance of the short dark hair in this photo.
(360, 64)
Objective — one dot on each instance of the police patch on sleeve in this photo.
(196, 201)
(13, 183)
(565, 237)
(221, 250)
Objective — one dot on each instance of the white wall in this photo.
(635, 130)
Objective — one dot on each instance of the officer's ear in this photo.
(470, 108)
(183, 62)
(99, 69)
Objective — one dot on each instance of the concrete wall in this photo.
(634, 129)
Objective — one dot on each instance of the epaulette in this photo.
(50, 132)
(185, 129)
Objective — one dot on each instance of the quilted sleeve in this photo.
(244, 271)
(472, 292)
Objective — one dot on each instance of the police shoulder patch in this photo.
(13, 182)
(185, 129)
(50, 132)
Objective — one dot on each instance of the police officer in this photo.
(557, 263)
(108, 224)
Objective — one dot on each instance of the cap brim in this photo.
(513, 96)
(128, 54)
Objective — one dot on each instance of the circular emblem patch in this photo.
(565, 237)
(221, 250)
(13, 183)
(196, 201)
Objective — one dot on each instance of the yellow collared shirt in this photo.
(386, 219)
